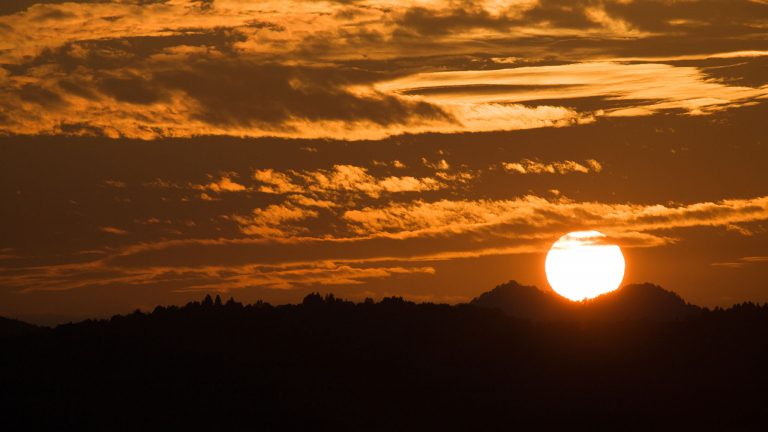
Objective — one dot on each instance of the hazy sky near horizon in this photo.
(152, 151)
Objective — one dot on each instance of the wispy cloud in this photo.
(113, 230)
(349, 178)
(686, 88)
(741, 262)
(527, 166)
(444, 216)
(279, 251)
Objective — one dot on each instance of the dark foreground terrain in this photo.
(329, 364)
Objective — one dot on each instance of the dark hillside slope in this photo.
(630, 302)
(640, 302)
(526, 302)
(328, 364)
(11, 327)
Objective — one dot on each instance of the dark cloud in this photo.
(204, 5)
(53, 15)
(228, 88)
(131, 89)
(701, 17)
(13, 6)
(81, 89)
(591, 103)
(401, 66)
(650, 46)
(430, 22)
(751, 72)
(258, 24)
(81, 129)
(40, 96)
(562, 13)
(115, 53)
(482, 89)
(239, 92)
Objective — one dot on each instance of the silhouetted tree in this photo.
(313, 299)
(207, 301)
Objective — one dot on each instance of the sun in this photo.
(583, 264)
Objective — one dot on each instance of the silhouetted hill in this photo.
(640, 301)
(525, 301)
(630, 302)
(330, 364)
(12, 327)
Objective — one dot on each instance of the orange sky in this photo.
(155, 150)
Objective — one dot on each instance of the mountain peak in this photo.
(524, 301)
(644, 301)
(641, 301)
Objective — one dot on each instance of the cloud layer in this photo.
(426, 148)
(280, 251)
(361, 70)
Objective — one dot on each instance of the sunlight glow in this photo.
(582, 265)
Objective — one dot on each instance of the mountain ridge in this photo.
(331, 364)
(630, 302)
(644, 301)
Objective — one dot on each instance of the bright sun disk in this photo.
(583, 265)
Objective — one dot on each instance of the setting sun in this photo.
(581, 265)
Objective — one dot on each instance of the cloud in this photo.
(565, 13)
(421, 21)
(341, 178)
(741, 262)
(225, 184)
(206, 278)
(527, 166)
(274, 182)
(290, 69)
(280, 252)
(320, 188)
(582, 238)
(701, 17)
(755, 259)
(442, 164)
(274, 221)
(113, 230)
(213, 95)
(288, 277)
(241, 93)
(689, 57)
(686, 88)
(305, 201)
(449, 217)
(377, 28)
(115, 184)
